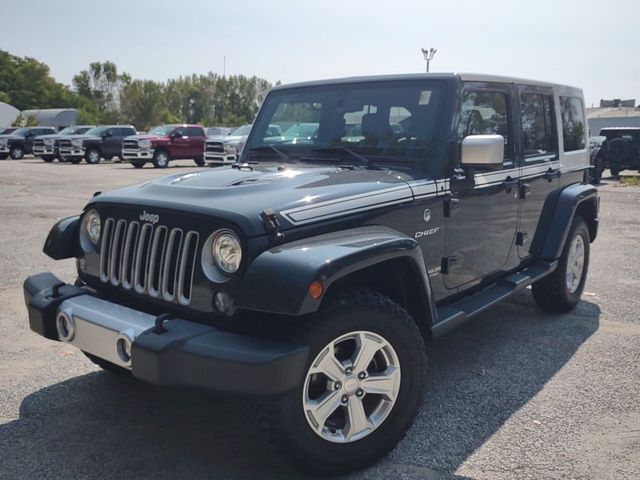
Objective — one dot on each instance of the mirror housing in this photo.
(482, 152)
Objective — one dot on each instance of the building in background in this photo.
(53, 117)
(613, 113)
(8, 113)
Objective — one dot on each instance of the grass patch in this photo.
(630, 181)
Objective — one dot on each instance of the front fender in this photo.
(277, 280)
(62, 241)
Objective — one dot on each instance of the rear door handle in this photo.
(551, 174)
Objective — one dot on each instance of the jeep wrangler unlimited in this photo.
(104, 141)
(20, 142)
(165, 143)
(311, 274)
(620, 150)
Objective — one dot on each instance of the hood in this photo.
(82, 136)
(51, 135)
(10, 135)
(299, 194)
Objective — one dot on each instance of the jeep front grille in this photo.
(130, 144)
(214, 147)
(152, 260)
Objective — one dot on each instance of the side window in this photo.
(484, 113)
(573, 123)
(111, 132)
(180, 132)
(195, 132)
(537, 124)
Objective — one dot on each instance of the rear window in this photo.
(573, 124)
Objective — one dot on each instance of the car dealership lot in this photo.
(513, 394)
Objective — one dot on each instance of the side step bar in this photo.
(450, 316)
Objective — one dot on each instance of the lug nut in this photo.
(359, 392)
(361, 375)
(345, 399)
(348, 371)
(337, 386)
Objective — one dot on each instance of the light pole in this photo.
(428, 55)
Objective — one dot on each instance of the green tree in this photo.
(101, 84)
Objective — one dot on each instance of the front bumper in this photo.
(71, 152)
(220, 157)
(130, 154)
(184, 353)
(4, 149)
(46, 150)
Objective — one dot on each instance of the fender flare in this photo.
(277, 280)
(557, 216)
(62, 241)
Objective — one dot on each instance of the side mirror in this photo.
(483, 152)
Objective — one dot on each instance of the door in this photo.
(28, 140)
(179, 143)
(111, 142)
(539, 162)
(481, 225)
(196, 141)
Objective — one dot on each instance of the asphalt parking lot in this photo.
(513, 394)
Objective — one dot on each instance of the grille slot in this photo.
(154, 261)
(130, 144)
(214, 147)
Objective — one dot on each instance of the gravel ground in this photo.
(514, 394)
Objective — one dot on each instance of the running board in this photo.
(450, 316)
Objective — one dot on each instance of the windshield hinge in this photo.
(271, 223)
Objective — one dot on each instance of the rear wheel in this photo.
(137, 164)
(614, 169)
(92, 156)
(160, 159)
(362, 387)
(561, 290)
(17, 153)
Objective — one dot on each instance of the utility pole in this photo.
(224, 65)
(428, 55)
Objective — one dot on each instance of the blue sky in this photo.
(590, 44)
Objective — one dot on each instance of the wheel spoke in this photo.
(357, 421)
(321, 408)
(329, 365)
(384, 383)
(367, 348)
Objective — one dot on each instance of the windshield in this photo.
(388, 122)
(162, 130)
(242, 131)
(21, 132)
(96, 131)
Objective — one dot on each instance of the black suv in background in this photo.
(20, 142)
(46, 146)
(104, 141)
(620, 150)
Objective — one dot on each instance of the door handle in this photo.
(551, 174)
(509, 184)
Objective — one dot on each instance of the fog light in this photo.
(65, 326)
(222, 302)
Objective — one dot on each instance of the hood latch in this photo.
(272, 224)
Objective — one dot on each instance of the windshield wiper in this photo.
(270, 148)
(364, 161)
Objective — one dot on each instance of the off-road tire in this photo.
(108, 366)
(92, 156)
(161, 159)
(551, 292)
(596, 172)
(282, 419)
(615, 170)
(17, 153)
(137, 164)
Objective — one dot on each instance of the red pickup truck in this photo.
(165, 143)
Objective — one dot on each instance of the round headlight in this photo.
(92, 226)
(227, 251)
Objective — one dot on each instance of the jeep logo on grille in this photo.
(149, 217)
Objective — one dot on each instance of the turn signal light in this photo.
(316, 290)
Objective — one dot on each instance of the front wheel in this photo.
(199, 161)
(561, 290)
(161, 159)
(137, 164)
(92, 157)
(48, 158)
(17, 153)
(361, 390)
(75, 160)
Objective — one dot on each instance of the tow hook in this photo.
(159, 323)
